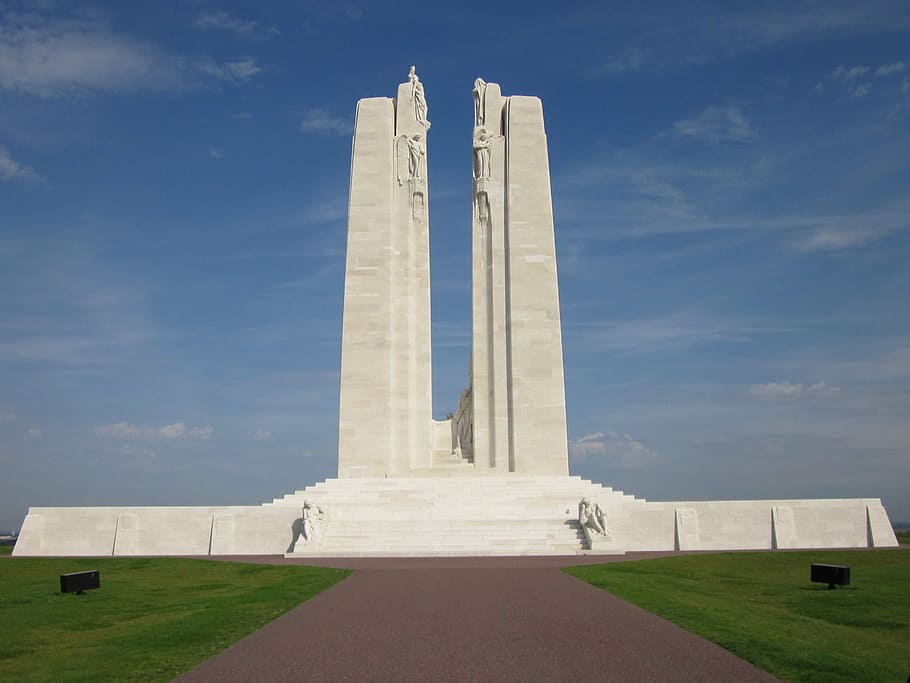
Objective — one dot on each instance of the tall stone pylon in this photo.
(517, 381)
(385, 412)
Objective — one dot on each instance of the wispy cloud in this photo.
(10, 169)
(890, 69)
(262, 435)
(633, 59)
(220, 20)
(839, 233)
(237, 71)
(59, 55)
(177, 430)
(618, 448)
(676, 330)
(320, 121)
(849, 76)
(7, 417)
(723, 31)
(785, 391)
(216, 153)
(51, 56)
(80, 311)
(34, 432)
(844, 73)
(716, 124)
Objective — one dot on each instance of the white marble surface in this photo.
(385, 413)
(472, 515)
(517, 364)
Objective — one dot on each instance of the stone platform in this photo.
(451, 516)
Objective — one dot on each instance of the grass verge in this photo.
(6, 549)
(762, 607)
(903, 537)
(151, 620)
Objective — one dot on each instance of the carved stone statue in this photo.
(591, 516)
(416, 152)
(463, 423)
(312, 525)
(418, 97)
(480, 93)
(483, 143)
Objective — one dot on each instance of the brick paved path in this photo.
(469, 619)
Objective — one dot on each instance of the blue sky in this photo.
(731, 200)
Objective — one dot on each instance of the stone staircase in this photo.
(460, 515)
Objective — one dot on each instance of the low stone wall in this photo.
(495, 515)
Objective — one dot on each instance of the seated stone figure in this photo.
(592, 517)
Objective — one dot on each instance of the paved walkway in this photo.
(469, 619)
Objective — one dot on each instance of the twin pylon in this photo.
(512, 418)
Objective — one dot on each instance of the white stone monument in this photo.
(385, 414)
(517, 386)
(492, 480)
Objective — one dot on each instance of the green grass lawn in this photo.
(151, 620)
(762, 607)
(6, 549)
(903, 537)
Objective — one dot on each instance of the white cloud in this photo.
(716, 124)
(242, 115)
(850, 75)
(783, 391)
(262, 435)
(839, 238)
(890, 69)
(172, 431)
(225, 21)
(177, 430)
(318, 120)
(7, 417)
(34, 432)
(202, 433)
(632, 59)
(10, 169)
(51, 57)
(724, 30)
(843, 73)
(676, 330)
(237, 71)
(128, 449)
(216, 153)
(118, 429)
(837, 233)
(620, 449)
(73, 54)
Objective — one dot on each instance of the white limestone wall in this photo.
(489, 295)
(538, 404)
(517, 365)
(478, 515)
(385, 414)
(757, 525)
(264, 530)
(67, 531)
(412, 406)
(442, 436)
(365, 412)
(161, 531)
